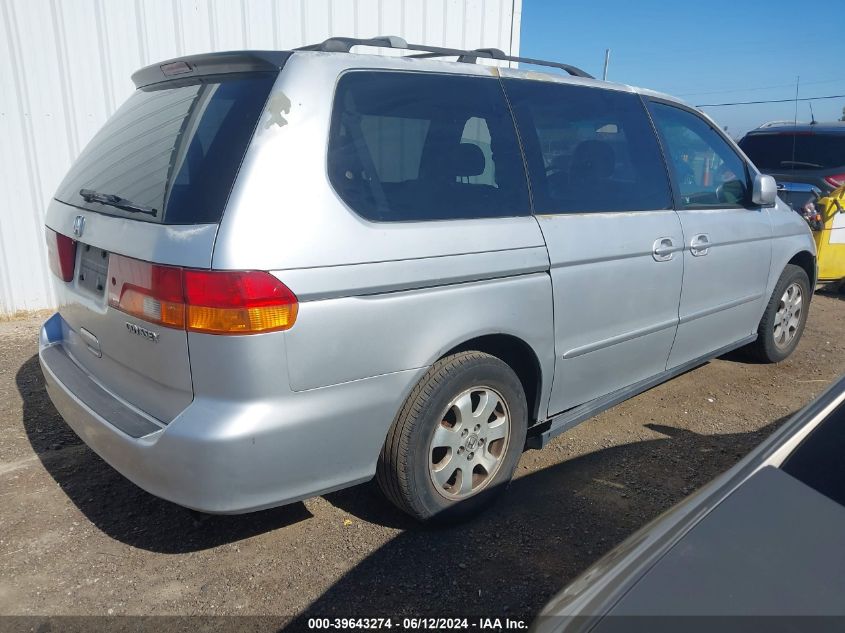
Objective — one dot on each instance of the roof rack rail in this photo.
(778, 123)
(345, 44)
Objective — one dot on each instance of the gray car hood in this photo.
(774, 547)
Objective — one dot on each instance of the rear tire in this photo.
(783, 321)
(456, 442)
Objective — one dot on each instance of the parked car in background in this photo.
(807, 159)
(762, 539)
(284, 273)
(808, 162)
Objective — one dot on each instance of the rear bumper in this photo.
(232, 456)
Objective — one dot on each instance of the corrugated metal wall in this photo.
(65, 67)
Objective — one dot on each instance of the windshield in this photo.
(170, 153)
(774, 152)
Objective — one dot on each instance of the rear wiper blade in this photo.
(110, 199)
(799, 162)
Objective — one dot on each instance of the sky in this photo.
(703, 51)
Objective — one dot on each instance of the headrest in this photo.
(593, 158)
(467, 160)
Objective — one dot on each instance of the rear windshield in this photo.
(774, 152)
(170, 153)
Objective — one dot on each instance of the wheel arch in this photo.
(519, 356)
(807, 261)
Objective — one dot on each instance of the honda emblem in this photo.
(79, 225)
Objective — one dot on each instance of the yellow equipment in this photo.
(830, 235)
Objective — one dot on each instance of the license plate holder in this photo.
(93, 269)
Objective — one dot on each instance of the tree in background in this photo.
(842, 118)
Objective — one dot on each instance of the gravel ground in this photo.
(76, 538)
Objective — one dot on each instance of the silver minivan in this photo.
(285, 273)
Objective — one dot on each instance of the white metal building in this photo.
(65, 67)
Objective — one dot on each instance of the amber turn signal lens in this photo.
(241, 320)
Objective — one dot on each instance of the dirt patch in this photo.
(77, 538)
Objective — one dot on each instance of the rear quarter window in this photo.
(412, 146)
(174, 148)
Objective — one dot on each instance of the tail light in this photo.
(214, 302)
(234, 302)
(147, 291)
(836, 180)
(61, 252)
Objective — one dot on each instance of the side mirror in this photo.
(765, 191)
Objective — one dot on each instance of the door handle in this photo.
(700, 245)
(663, 249)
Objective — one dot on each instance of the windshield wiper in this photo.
(799, 162)
(89, 195)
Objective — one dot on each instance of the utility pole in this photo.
(606, 63)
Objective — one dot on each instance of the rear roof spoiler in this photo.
(210, 64)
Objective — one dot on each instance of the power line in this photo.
(721, 92)
(736, 103)
(718, 92)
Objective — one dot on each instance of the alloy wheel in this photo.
(788, 315)
(469, 444)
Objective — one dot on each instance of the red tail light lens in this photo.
(836, 180)
(61, 252)
(215, 302)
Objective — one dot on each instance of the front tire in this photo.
(783, 321)
(456, 442)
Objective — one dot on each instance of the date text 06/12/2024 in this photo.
(417, 624)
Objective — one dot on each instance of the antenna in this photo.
(606, 63)
(812, 116)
